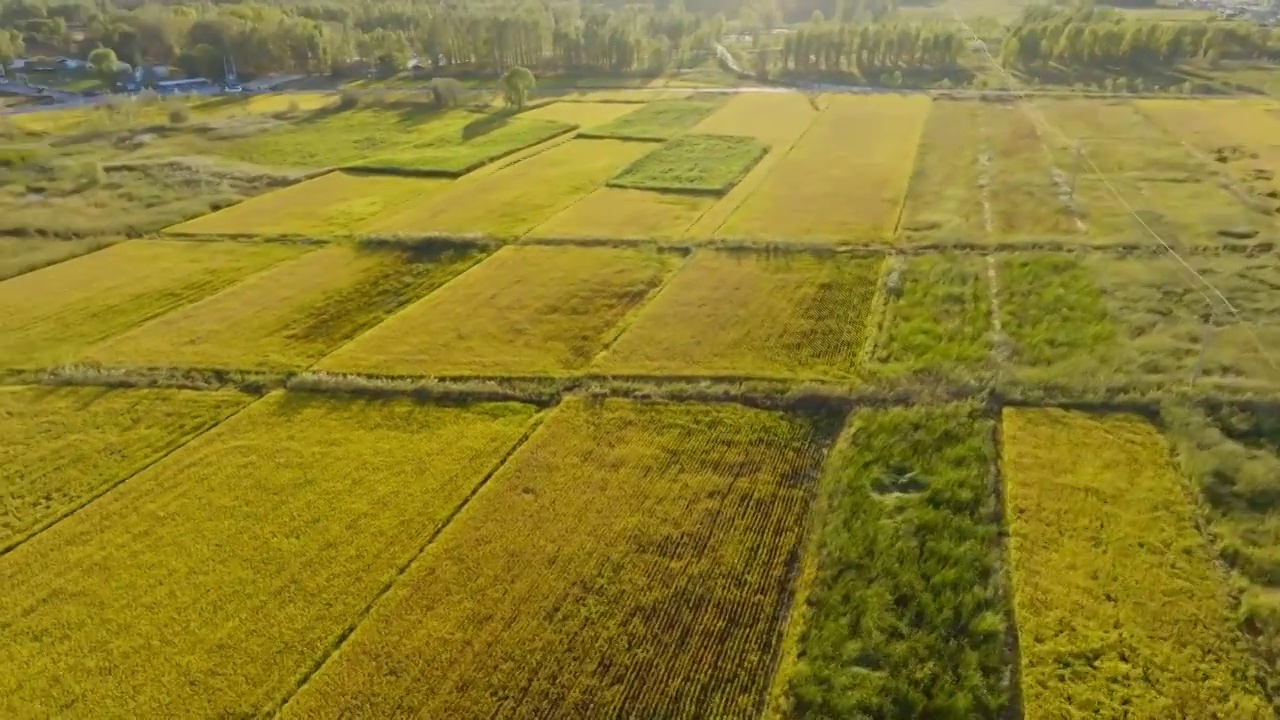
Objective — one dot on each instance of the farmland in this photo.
(636, 400)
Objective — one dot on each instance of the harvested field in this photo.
(523, 311)
(671, 564)
(216, 579)
(50, 316)
(938, 318)
(627, 214)
(835, 185)
(513, 201)
(22, 255)
(1119, 605)
(582, 114)
(474, 145)
(903, 615)
(703, 164)
(65, 446)
(289, 316)
(1053, 314)
(1030, 196)
(948, 194)
(656, 121)
(730, 314)
(332, 204)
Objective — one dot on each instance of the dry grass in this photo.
(728, 314)
(217, 578)
(331, 204)
(1026, 199)
(512, 201)
(945, 196)
(1121, 612)
(64, 446)
(523, 311)
(22, 255)
(655, 542)
(287, 317)
(50, 316)
(845, 179)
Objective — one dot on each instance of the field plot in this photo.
(50, 316)
(1238, 137)
(836, 184)
(21, 255)
(63, 446)
(523, 311)
(214, 580)
(287, 317)
(775, 119)
(1169, 187)
(459, 151)
(514, 200)
(1121, 612)
(705, 164)
(650, 579)
(656, 121)
(729, 314)
(582, 114)
(939, 316)
(904, 614)
(331, 204)
(1030, 195)
(1054, 317)
(949, 190)
(617, 213)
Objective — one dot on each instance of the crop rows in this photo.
(655, 121)
(649, 579)
(709, 164)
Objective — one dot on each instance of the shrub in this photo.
(349, 99)
(179, 114)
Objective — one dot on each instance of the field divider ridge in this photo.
(534, 423)
(878, 313)
(125, 477)
(1014, 709)
(629, 319)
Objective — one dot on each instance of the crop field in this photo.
(581, 114)
(834, 185)
(21, 255)
(213, 580)
(1030, 195)
(709, 164)
(1096, 511)
(903, 616)
(460, 150)
(50, 316)
(288, 316)
(64, 446)
(656, 121)
(511, 202)
(332, 204)
(620, 213)
(730, 314)
(938, 316)
(523, 311)
(672, 564)
(949, 192)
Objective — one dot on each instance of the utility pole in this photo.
(1206, 338)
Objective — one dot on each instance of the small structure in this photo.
(169, 87)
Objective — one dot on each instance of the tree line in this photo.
(1087, 37)
(870, 47)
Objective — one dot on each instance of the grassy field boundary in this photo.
(346, 632)
(125, 477)
(94, 247)
(1014, 710)
(878, 315)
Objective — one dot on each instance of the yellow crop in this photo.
(212, 582)
(512, 201)
(64, 446)
(627, 214)
(630, 560)
(286, 317)
(583, 114)
(20, 255)
(945, 195)
(751, 315)
(523, 311)
(1121, 612)
(48, 317)
(844, 179)
(331, 204)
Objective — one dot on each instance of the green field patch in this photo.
(459, 150)
(938, 317)
(900, 612)
(63, 446)
(707, 164)
(1053, 315)
(217, 579)
(656, 121)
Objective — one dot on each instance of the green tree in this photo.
(104, 63)
(517, 83)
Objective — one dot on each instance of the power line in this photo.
(1096, 171)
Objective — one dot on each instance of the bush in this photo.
(179, 114)
(447, 92)
(349, 99)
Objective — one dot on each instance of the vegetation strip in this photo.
(710, 164)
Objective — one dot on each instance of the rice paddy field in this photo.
(750, 405)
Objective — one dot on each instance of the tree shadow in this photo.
(485, 124)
